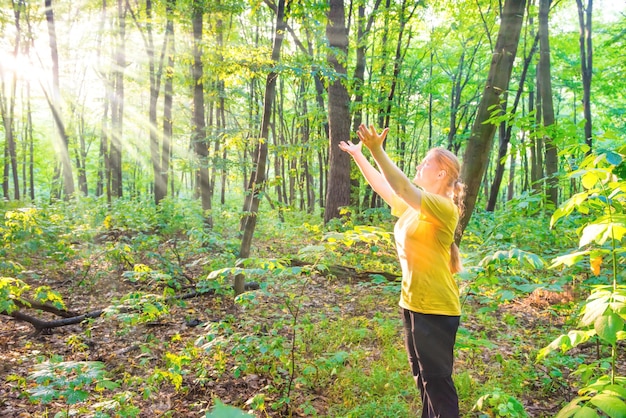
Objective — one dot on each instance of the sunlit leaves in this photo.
(515, 254)
(601, 395)
(138, 307)
(10, 290)
(69, 380)
(566, 342)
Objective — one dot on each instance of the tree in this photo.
(117, 104)
(586, 63)
(480, 142)
(199, 141)
(55, 104)
(506, 130)
(256, 186)
(547, 107)
(7, 109)
(160, 189)
(338, 193)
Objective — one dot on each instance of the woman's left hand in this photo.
(370, 137)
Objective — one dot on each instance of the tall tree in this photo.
(160, 190)
(480, 142)
(155, 73)
(547, 106)
(55, 103)
(7, 109)
(338, 193)
(506, 130)
(585, 14)
(117, 103)
(200, 145)
(256, 186)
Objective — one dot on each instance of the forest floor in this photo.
(514, 330)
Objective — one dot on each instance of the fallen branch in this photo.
(70, 318)
(41, 325)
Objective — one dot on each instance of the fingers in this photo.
(368, 134)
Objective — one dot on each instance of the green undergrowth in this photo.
(320, 335)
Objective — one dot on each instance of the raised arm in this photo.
(394, 177)
(373, 176)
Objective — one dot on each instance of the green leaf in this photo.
(613, 158)
(585, 412)
(612, 405)
(75, 396)
(568, 259)
(224, 411)
(593, 232)
(44, 394)
(593, 310)
(607, 326)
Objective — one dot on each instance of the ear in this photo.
(441, 174)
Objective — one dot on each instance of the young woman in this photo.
(428, 210)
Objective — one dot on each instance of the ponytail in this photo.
(450, 163)
(456, 265)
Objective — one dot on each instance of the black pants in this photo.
(430, 344)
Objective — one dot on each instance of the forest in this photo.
(183, 237)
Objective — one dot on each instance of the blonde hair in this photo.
(456, 188)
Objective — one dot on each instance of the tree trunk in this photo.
(547, 106)
(160, 190)
(338, 193)
(55, 103)
(256, 185)
(480, 142)
(506, 130)
(586, 64)
(199, 135)
(117, 104)
(155, 72)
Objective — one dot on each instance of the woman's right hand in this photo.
(350, 148)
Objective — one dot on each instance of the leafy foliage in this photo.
(604, 312)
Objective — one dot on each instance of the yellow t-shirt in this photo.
(423, 240)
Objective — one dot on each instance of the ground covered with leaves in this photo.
(319, 334)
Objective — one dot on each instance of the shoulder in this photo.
(439, 206)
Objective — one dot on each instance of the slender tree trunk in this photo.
(338, 193)
(199, 135)
(117, 103)
(537, 143)
(165, 153)
(586, 63)
(55, 103)
(480, 142)
(10, 152)
(257, 177)
(506, 130)
(155, 72)
(552, 167)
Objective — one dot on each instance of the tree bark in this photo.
(256, 186)
(480, 142)
(506, 130)
(199, 134)
(586, 64)
(55, 103)
(338, 193)
(168, 94)
(547, 105)
(117, 104)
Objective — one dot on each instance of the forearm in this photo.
(375, 179)
(393, 176)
